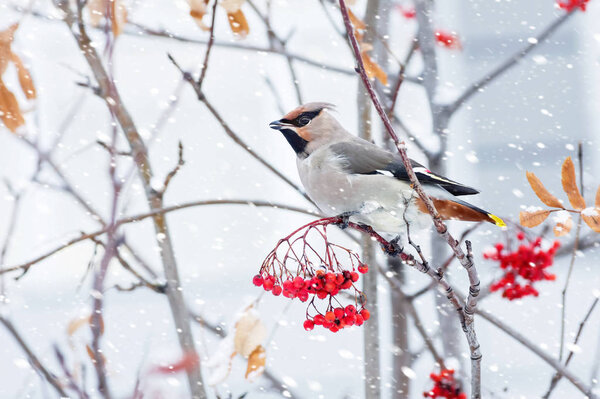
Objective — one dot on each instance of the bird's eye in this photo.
(303, 121)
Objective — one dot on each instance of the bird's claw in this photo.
(393, 248)
(344, 220)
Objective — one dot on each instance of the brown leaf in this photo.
(256, 363)
(24, 78)
(356, 22)
(118, 16)
(76, 324)
(563, 227)
(598, 198)
(591, 216)
(97, 11)
(238, 23)
(543, 194)
(198, 9)
(373, 69)
(6, 39)
(10, 113)
(532, 219)
(249, 333)
(569, 183)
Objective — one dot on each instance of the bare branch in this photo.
(556, 378)
(209, 46)
(33, 359)
(509, 63)
(173, 172)
(162, 211)
(535, 348)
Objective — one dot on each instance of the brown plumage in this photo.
(450, 210)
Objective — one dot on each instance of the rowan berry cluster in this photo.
(305, 265)
(445, 386)
(523, 267)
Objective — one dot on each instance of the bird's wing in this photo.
(362, 157)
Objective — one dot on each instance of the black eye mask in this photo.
(303, 119)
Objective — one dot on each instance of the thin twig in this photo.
(33, 359)
(209, 46)
(136, 218)
(509, 63)
(556, 378)
(563, 309)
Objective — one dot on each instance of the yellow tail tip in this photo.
(497, 220)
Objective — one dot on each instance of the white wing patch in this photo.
(385, 172)
(426, 172)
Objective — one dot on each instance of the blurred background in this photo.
(529, 118)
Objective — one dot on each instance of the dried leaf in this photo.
(118, 16)
(569, 183)
(256, 363)
(356, 22)
(231, 6)
(6, 39)
(543, 194)
(90, 353)
(373, 70)
(109, 9)
(187, 362)
(76, 324)
(591, 216)
(198, 9)
(598, 198)
(249, 333)
(238, 23)
(10, 113)
(24, 77)
(532, 219)
(563, 226)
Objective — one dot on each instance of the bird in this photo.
(345, 175)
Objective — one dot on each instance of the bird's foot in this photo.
(394, 248)
(345, 219)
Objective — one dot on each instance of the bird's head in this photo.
(308, 127)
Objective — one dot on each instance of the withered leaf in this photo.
(591, 217)
(598, 198)
(238, 23)
(24, 78)
(563, 227)
(10, 113)
(6, 39)
(113, 10)
(373, 69)
(118, 16)
(249, 333)
(256, 363)
(541, 191)
(198, 9)
(79, 322)
(532, 219)
(569, 183)
(356, 22)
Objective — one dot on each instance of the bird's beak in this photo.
(277, 125)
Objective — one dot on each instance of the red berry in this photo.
(322, 294)
(268, 284)
(277, 290)
(354, 277)
(334, 329)
(319, 319)
(257, 280)
(350, 309)
(330, 316)
(359, 320)
(330, 278)
(363, 269)
(298, 282)
(365, 314)
(329, 287)
(303, 295)
(520, 236)
(350, 320)
(339, 313)
(309, 325)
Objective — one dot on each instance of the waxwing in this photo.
(346, 175)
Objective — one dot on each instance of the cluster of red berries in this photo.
(337, 318)
(323, 284)
(445, 386)
(570, 5)
(523, 267)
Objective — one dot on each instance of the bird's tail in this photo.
(455, 209)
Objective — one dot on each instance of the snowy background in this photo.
(529, 119)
